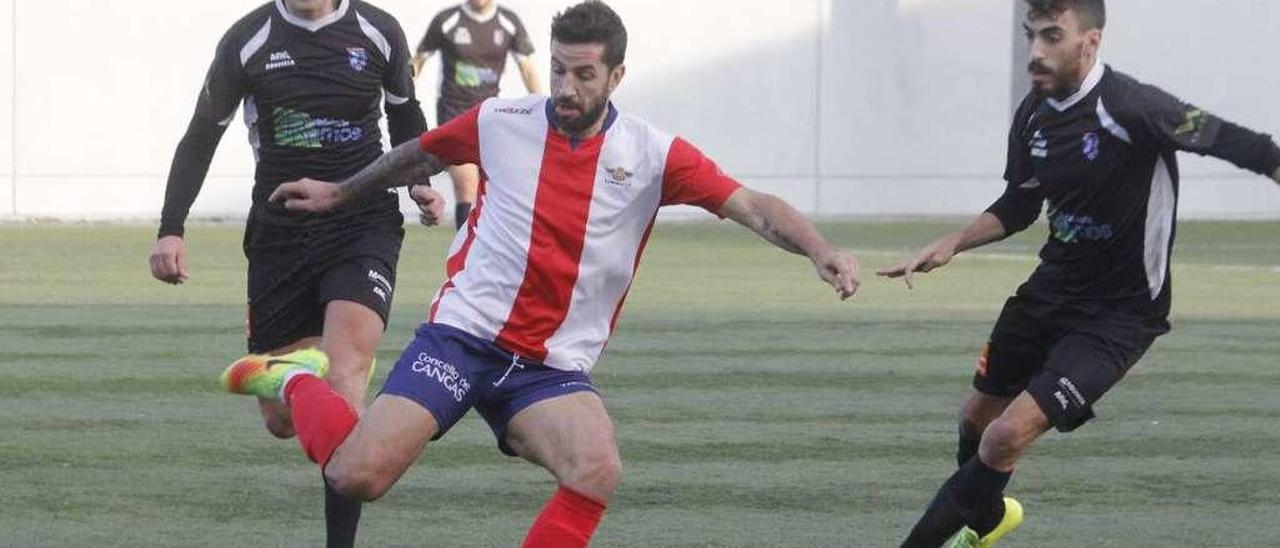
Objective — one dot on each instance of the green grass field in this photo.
(753, 408)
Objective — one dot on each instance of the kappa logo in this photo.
(358, 58)
(618, 176)
(1061, 398)
(279, 59)
(462, 37)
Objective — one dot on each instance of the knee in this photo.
(361, 485)
(1003, 442)
(597, 475)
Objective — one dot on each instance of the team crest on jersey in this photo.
(498, 37)
(619, 176)
(358, 58)
(1091, 145)
(1039, 145)
(462, 36)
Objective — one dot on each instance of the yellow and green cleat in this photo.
(1011, 519)
(264, 376)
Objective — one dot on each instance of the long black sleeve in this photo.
(215, 107)
(1173, 124)
(186, 174)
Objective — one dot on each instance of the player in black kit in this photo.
(311, 74)
(1099, 148)
(474, 39)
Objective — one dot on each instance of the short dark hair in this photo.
(592, 22)
(1093, 13)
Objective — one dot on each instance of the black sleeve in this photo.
(433, 40)
(521, 44)
(215, 108)
(404, 115)
(1170, 124)
(1022, 200)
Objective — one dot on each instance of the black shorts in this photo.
(295, 272)
(1066, 357)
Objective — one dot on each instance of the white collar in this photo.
(317, 24)
(477, 16)
(1090, 82)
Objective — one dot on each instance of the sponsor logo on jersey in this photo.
(279, 59)
(618, 177)
(301, 130)
(468, 75)
(358, 58)
(1193, 122)
(1070, 228)
(514, 110)
(444, 373)
(1091, 145)
(1039, 145)
(462, 36)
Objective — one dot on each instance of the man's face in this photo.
(479, 5)
(581, 84)
(1061, 53)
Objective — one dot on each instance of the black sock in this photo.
(341, 518)
(940, 520)
(972, 496)
(980, 493)
(967, 446)
(460, 213)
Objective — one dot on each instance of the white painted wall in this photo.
(869, 107)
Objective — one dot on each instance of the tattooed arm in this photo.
(783, 226)
(405, 165)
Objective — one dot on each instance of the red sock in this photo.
(321, 417)
(567, 521)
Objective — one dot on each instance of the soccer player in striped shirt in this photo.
(535, 282)
(1099, 147)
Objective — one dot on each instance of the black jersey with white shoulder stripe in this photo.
(474, 49)
(1102, 162)
(311, 91)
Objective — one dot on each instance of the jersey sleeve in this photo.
(456, 142)
(433, 40)
(1022, 200)
(215, 108)
(1168, 123)
(521, 43)
(691, 178)
(404, 115)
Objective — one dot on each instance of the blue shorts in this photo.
(448, 371)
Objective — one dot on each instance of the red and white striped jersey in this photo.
(549, 251)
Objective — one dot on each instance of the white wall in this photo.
(843, 106)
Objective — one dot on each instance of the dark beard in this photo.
(583, 122)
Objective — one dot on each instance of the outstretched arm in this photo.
(780, 224)
(982, 230)
(405, 165)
